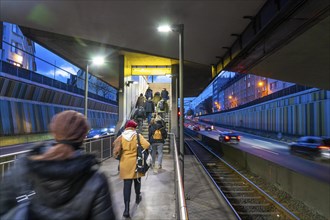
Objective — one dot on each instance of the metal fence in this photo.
(101, 147)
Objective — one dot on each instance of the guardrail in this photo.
(179, 190)
(101, 147)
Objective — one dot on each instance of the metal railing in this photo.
(181, 207)
(101, 147)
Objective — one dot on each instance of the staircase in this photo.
(166, 148)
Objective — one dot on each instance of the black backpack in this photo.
(140, 112)
(143, 158)
(162, 105)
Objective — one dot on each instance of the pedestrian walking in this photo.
(140, 101)
(149, 107)
(157, 135)
(66, 181)
(164, 94)
(148, 93)
(139, 116)
(128, 151)
(161, 108)
(156, 98)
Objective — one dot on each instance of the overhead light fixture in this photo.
(98, 60)
(164, 28)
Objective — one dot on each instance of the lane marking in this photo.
(267, 142)
(261, 148)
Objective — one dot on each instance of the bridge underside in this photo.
(291, 46)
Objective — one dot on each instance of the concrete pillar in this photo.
(121, 97)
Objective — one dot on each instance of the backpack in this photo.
(140, 112)
(143, 158)
(161, 105)
(157, 135)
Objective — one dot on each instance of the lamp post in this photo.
(96, 61)
(179, 29)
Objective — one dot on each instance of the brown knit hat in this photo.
(69, 127)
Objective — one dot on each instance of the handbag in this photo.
(143, 158)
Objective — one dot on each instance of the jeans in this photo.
(128, 188)
(157, 147)
(149, 114)
(140, 124)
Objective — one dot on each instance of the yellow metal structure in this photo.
(143, 64)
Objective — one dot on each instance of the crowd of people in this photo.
(66, 182)
(150, 107)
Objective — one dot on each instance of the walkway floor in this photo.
(158, 197)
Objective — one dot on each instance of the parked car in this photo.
(229, 137)
(97, 133)
(312, 146)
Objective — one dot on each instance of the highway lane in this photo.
(19, 147)
(278, 152)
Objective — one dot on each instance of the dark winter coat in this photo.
(152, 128)
(149, 106)
(164, 94)
(140, 101)
(148, 93)
(139, 114)
(65, 189)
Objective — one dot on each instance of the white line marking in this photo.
(261, 148)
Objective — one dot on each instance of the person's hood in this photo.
(128, 134)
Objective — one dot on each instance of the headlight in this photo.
(96, 136)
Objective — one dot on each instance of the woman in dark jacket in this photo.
(67, 182)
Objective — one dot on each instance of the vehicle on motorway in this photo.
(229, 137)
(312, 146)
(97, 133)
(209, 127)
(196, 128)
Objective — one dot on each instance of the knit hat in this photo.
(131, 124)
(69, 127)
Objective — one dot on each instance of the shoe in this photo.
(155, 169)
(126, 211)
(160, 167)
(138, 199)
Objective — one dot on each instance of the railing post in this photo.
(102, 141)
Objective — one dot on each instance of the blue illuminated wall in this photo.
(302, 113)
(28, 101)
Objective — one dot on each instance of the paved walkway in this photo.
(158, 197)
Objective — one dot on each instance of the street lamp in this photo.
(95, 61)
(179, 29)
